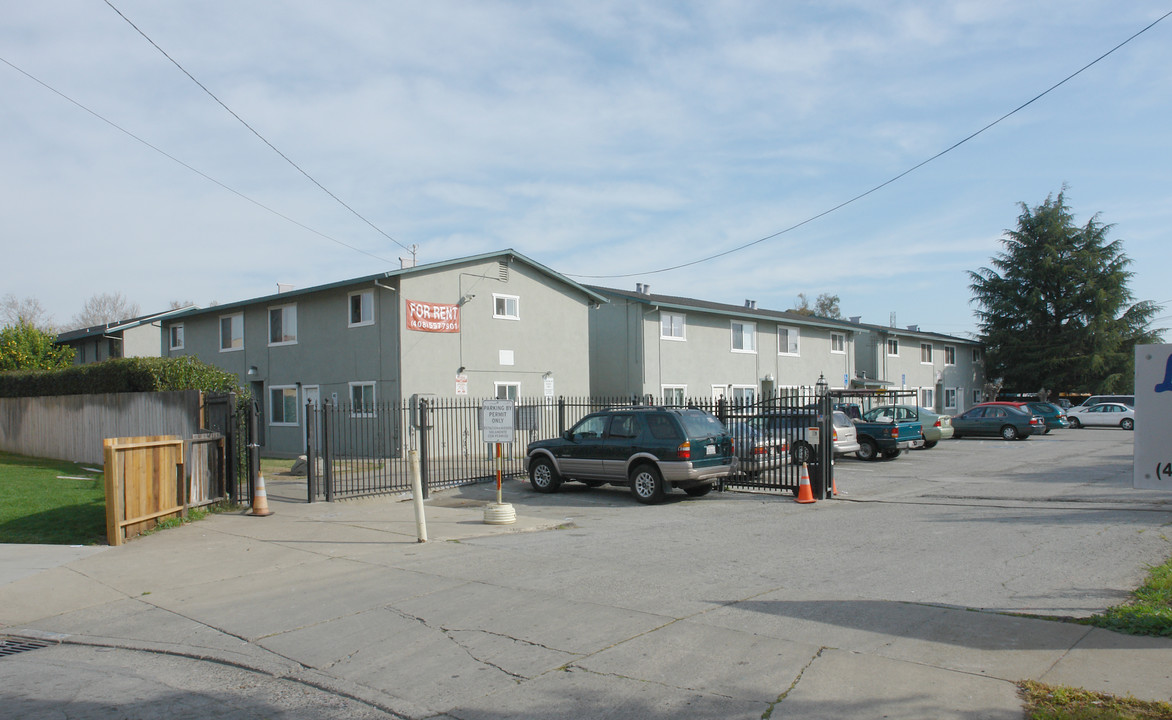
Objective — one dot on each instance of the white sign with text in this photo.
(1153, 417)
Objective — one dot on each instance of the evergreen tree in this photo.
(1055, 311)
(24, 347)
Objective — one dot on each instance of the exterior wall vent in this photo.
(502, 271)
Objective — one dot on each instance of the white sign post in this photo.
(1153, 417)
(498, 420)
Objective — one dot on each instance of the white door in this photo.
(312, 394)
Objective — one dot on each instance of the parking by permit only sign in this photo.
(497, 420)
(1153, 417)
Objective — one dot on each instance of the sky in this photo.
(608, 141)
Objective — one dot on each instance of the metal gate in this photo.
(220, 415)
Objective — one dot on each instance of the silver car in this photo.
(846, 438)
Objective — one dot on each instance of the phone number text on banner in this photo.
(433, 317)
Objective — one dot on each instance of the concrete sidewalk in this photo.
(583, 608)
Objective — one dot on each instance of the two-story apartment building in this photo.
(676, 347)
(136, 337)
(491, 325)
(947, 373)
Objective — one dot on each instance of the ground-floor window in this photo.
(362, 399)
(744, 395)
(507, 390)
(674, 394)
(950, 395)
(927, 398)
(283, 405)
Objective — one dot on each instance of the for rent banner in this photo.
(433, 317)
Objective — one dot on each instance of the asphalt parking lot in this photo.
(890, 600)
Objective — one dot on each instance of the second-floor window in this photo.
(283, 325)
(744, 336)
(671, 326)
(361, 308)
(506, 307)
(837, 343)
(926, 353)
(176, 335)
(788, 340)
(892, 347)
(232, 332)
(949, 355)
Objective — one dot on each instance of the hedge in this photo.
(120, 376)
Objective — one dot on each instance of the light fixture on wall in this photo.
(460, 370)
(252, 371)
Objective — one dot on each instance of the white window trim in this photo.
(350, 301)
(516, 301)
(832, 350)
(949, 350)
(797, 334)
(732, 336)
(931, 354)
(171, 336)
(955, 398)
(932, 392)
(373, 398)
(683, 326)
(269, 324)
(889, 342)
(663, 390)
(296, 406)
(220, 332)
(498, 384)
(733, 393)
(976, 355)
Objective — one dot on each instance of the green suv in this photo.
(649, 449)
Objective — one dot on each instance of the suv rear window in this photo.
(662, 427)
(701, 424)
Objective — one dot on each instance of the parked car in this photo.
(1054, 415)
(1024, 406)
(1128, 400)
(1108, 414)
(757, 450)
(650, 449)
(936, 426)
(885, 436)
(793, 425)
(997, 419)
(846, 437)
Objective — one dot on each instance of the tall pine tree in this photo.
(1055, 311)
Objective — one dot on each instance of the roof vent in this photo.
(913, 328)
(856, 319)
(638, 288)
(284, 287)
(751, 304)
(405, 263)
(646, 288)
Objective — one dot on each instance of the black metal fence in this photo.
(355, 451)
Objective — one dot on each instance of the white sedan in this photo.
(1105, 414)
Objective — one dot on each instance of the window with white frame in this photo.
(283, 325)
(838, 343)
(175, 332)
(744, 395)
(506, 307)
(788, 340)
(507, 390)
(925, 353)
(950, 395)
(231, 332)
(361, 308)
(671, 325)
(977, 397)
(949, 355)
(892, 347)
(927, 398)
(744, 336)
(362, 399)
(976, 355)
(283, 405)
(674, 394)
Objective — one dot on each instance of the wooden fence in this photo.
(72, 427)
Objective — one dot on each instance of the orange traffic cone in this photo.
(260, 500)
(805, 492)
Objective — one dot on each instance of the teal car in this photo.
(1054, 415)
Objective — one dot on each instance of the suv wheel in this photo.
(647, 484)
(543, 476)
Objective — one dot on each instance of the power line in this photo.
(257, 134)
(202, 174)
(884, 184)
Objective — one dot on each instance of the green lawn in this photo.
(50, 502)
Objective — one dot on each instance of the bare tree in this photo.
(176, 304)
(802, 306)
(29, 310)
(105, 308)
